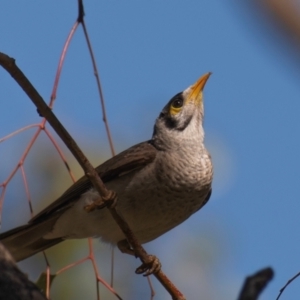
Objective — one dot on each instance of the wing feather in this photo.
(123, 163)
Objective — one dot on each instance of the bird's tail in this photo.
(27, 240)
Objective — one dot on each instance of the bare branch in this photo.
(287, 284)
(109, 197)
(96, 73)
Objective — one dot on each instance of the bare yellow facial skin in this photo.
(192, 94)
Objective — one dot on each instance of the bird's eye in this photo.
(177, 103)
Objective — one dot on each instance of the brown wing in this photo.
(126, 161)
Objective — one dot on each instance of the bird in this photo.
(160, 183)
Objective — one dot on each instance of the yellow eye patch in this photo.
(176, 106)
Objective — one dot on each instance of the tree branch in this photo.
(109, 197)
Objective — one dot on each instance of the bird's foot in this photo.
(151, 266)
(101, 202)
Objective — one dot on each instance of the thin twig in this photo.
(152, 291)
(99, 279)
(48, 276)
(80, 19)
(18, 131)
(61, 154)
(20, 163)
(26, 189)
(92, 259)
(96, 73)
(60, 64)
(286, 285)
(108, 196)
(9, 64)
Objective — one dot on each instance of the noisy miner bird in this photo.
(160, 183)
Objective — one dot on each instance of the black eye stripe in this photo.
(162, 114)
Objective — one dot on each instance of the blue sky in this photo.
(147, 51)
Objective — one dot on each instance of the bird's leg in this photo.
(124, 247)
(150, 266)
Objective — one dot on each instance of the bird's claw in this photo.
(110, 201)
(98, 204)
(152, 266)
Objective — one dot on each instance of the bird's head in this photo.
(181, 119)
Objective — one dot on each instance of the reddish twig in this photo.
(152, 291)
(20, 163)
(96, 73)
(90, 257)
(99, 279)
(18, 131)
(107, 195)
(9, 64)
(80, 19)
(41, 127)
(60, 64)
(48, 276)
(61, 154)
